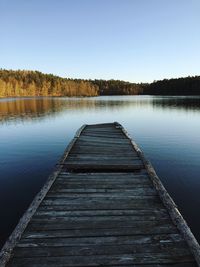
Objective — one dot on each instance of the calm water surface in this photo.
(35, 131)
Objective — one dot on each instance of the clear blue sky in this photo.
(134, 40)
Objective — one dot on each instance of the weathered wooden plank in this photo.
(139, 177)
(64, 181)
(64, 205)
(81, 224)
(92, 157)
(110, 132)
(110, 129)
(106, 133)
(103, 135)
(160, 212)
(93, 175)
(99, 192)
(113, 135)
(182, 264)
(102, 193)
(103, 145)
(106, 151)
(104, 260)
(147, 205)
(100, 160)
(84, 241)
(99, 148)
(104, 129)
(104, 167)
(65, 186)
(101, 140)
(92, 138)
(86, 219)
(169, 247)
(101, 125)
(112, 203)
(121, 175)
(106, 143)
(127, 154)
(159, 228)
(117, 153)
(103, 161)
(104, 198)
(101, 153)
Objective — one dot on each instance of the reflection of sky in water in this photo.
(35, 132)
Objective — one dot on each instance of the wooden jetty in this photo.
(103, 206)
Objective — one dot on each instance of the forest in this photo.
(17, 83)
(179, 86)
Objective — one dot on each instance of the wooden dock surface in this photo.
(103, 206)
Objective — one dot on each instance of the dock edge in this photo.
(172, 208)
(6, 251)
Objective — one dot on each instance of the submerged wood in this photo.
(103, 206)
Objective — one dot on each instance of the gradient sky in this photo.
(133, 40)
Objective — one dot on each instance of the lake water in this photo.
(35, 131)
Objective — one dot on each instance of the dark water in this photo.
(34, 133)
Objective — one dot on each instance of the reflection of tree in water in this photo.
(184, 103)
(37, 108)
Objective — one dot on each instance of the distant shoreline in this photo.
(23, 83)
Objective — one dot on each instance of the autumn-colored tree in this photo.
(34, 83)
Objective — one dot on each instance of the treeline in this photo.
(179, 86)
(116, 87)
(35, 83)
